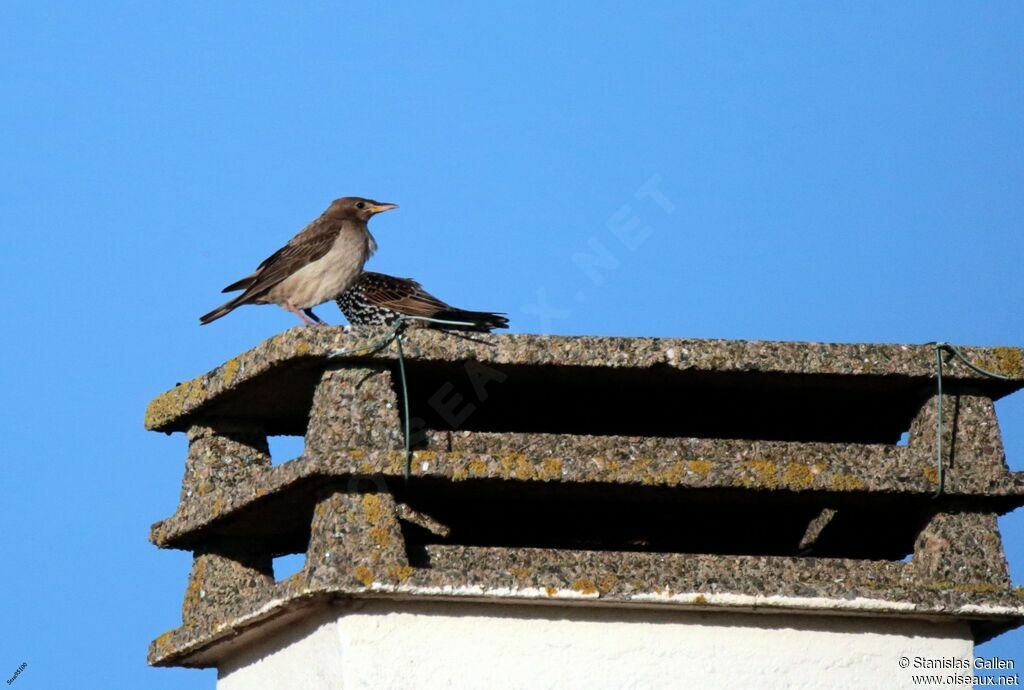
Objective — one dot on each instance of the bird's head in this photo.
(357, 208)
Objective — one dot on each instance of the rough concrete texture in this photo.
(974, 465)
(368, 534)
(227, 580)
(301, 348)
(962, 547)
(355, 538)
(223, 456)
(353, 408)
(970, 436)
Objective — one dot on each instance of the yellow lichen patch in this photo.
(158, 410)
(478, 467)
(511, 457)
(460, 474)
(551, 591)
(519, 573)
(931, 473)
(218, 505)
(847, 482)
(585, 587)
(798, 476)
(524, 468)
(195, 583)
(606, 583)
(425, 455)
(699, 467)
(642, 469)
(550, 469)
(516, 465)
(400, 572)
(230, 370)
(978, 588)
(373, 509)
(380, 536)
(174, 402)
(364, 575)
(700, 599)
(357, 454)
(612, 467)
(162, 643)
(1008, 361)
(302, 348)
(765, 474)
(674, 474)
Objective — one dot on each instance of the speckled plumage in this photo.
(376, 299)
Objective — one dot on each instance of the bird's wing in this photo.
(240, 284)
(303, 249)
(403, 295)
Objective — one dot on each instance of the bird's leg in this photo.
(299, 314)
(310, 314)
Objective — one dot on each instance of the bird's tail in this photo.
(478, 321)
(223, 309)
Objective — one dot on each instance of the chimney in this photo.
(582, 511)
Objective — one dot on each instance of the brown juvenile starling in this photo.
(315, 266)
(376, 299)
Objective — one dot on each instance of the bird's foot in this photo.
(305, 319)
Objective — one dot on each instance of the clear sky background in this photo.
(837, 172)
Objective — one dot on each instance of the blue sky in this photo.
(835, 172)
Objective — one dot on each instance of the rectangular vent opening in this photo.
(287, 565)
(661, 401)
(285, 447)
(691, 521)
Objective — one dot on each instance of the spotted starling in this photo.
(315, 266)
(376, 299)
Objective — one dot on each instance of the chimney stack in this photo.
(587, 511)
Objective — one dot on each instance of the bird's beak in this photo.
(380, 208)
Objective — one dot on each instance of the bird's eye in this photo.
(361, 205)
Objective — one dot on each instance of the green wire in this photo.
(939, 347)
(406, 431)
(941, 478)
(971, 365)
(379, 344)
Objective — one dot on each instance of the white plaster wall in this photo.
(394, 644)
